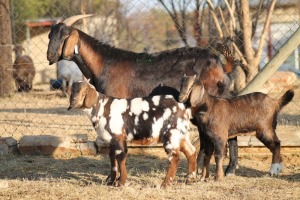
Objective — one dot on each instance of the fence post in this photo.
(6, 83)
(257, 82)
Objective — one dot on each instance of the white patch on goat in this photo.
(181, 106)
(102, 105)
(136, 106)
(117, 152)
(145, 116)
(102, 132)
(168, 96)
(156, 100)
(136, 120)
(114, 169)
(167, 113)
(157, 126)
(94, 118)
(174, 109)
(276, 168)
(117, 107)
(169, 146)
(145, 106)
(175, 138)
(88, 111)
(130, 113)
(153, 109)
(129, 137)
(169, 126)
(182, 125)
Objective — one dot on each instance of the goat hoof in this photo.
(190, 178)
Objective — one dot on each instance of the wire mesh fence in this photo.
(143, 26)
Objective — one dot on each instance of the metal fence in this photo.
(137, 25)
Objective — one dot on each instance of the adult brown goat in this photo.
(24, 70)
(126, 74)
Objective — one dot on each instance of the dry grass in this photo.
(41, 177)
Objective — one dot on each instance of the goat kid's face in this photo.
(191, 89)
(62, 40)
(83, 95)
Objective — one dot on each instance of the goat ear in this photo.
(91, 97)
(196, 95)
(69, 45)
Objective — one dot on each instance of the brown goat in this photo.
(145, 120)
(222, 118)
(126, 74)
(24, 70)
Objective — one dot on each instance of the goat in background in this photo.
(69, 72)
(23, 70)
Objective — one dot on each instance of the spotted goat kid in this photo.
(145, 121)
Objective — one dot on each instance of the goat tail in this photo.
(286, 98)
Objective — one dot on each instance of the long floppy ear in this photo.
(186, 87)
(71, 41)
(91, 97)
(197, 94)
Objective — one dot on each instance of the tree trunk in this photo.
(6, 81)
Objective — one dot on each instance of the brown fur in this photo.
(222, 118)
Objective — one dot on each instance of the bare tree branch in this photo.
(223, 20)
(212, 10)
(254, 26)
(264, 32)
(247, 30)
(181, 31)
(232, 18)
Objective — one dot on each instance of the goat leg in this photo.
(233, 157)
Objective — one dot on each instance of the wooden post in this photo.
(271, 67)
(6, 80)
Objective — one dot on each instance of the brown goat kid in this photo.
(24, 70)
(147, 120)
(221, 119)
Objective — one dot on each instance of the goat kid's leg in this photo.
(208, 151)
(200, 157)
(233, 157)
(173, 155)
(121, 155)
(219, 154)
(271, 141)
(190, 152)
(111, 179)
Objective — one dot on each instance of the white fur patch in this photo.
(181, 106)
(114, 169)
(167, 113)
(156, 100)
(175, 138)
(156, 127)
(117, 152)
(145, 106)
(145, 116)
(129, 137)
(168, 96)
(136, 106)
(136, 120)
(276, 168)
(118, 106)
(182, 125)
(102, 105)
(174, 109)
(102, 132)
